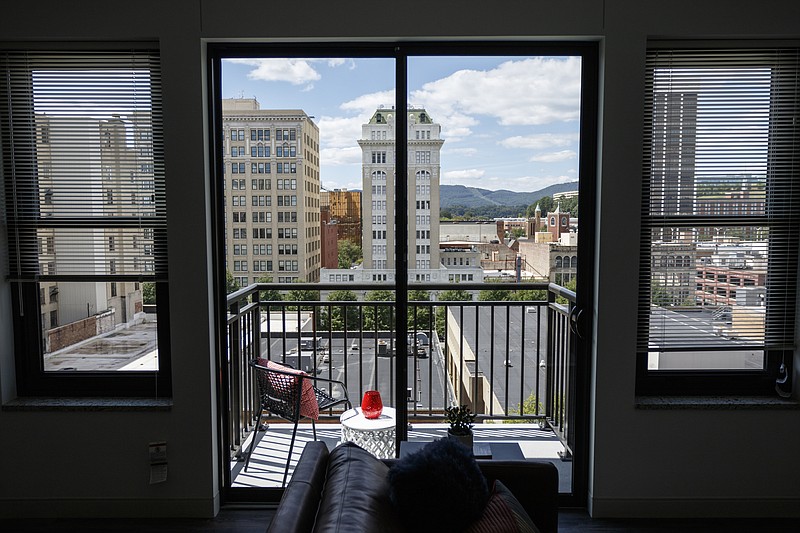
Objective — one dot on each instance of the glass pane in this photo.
(100, 327)
(490, 141)
(295, 167)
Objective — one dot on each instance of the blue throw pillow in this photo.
(439, 488)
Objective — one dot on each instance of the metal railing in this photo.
(509, 360)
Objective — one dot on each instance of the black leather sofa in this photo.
(346, 490)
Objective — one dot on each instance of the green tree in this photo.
(528, 295)
(493, 295)
(302, 295)
(570, 285)
(269, 295)
(230, 283)
(337, 317)
(516, 233)
(349, 254)
(659, 295)
(379, 317)
(531, 406)
(419, 316)
(148, 292)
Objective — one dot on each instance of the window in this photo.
(720, 126)
(101, 110)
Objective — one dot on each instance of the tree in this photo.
(528, 295)
(419, 316)
(379, 317)
(339, 319)
(148, 293)
(349, 254)
(269, 295)
(493, 295)
(302, 295)
(230, 283)
(516, 233)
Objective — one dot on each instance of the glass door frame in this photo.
(588, 51)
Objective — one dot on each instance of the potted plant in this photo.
(460, 419)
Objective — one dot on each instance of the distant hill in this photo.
(459, 195)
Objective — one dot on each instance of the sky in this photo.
(508, 122)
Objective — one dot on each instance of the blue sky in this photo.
(508, 122)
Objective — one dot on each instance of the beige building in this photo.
(116, 167)
(272, 193)
(378, 164)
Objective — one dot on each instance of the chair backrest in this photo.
(279, 392)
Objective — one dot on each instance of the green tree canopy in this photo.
(349, 254)
(230, 283)
(148, 292)
(380, 317)
(419, 316)
(270, 295)
(337, 317)
(493, 295)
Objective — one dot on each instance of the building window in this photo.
(722, 346)
(122, 128)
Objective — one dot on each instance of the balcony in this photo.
(503, 351)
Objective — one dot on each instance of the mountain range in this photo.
(459, 195)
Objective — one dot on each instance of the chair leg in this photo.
(253, 440)
(289, 458)
(314, 428)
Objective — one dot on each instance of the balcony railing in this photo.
(509, 360)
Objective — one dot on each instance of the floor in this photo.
(269, 457)
(233, 520)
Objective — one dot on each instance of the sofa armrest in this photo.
(297, 510)
(533, 483)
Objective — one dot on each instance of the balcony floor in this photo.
(269, 457)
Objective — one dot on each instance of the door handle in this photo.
(574, 317)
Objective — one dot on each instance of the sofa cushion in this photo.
(356, 495)
(503, 514)
(302, 495)
(439, 488)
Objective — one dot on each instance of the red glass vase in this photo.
(371, 405)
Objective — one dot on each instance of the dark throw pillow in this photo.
(439, 488)
(503, 514)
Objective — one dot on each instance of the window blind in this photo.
(721, 198)
(83, 165)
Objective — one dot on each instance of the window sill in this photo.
(88, 404)
(722, 403)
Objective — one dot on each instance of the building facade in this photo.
(117, 164)
(272, 186)
(344, 208)
(378, 177)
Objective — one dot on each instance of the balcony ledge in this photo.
(88, 404)
(722, 403)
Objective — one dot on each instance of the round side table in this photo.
(377, 436)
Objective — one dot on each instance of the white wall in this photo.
(704, 462)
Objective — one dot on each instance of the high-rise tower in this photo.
(272, 185)
(378, 176)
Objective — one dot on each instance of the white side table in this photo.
(377, 436)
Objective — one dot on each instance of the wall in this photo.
(700, 462)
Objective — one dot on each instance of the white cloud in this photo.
(555, 157)
(368, 103)
(338, 132)
(294, 71)
(468, 174)
(349, 155)
(527, 92)
(540, 141)
(465, 152)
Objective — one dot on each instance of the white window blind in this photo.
(721, 201)
(83, 165)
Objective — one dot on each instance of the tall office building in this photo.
(116, 174)
(674, 133)
(378, 175)
(272, 185)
